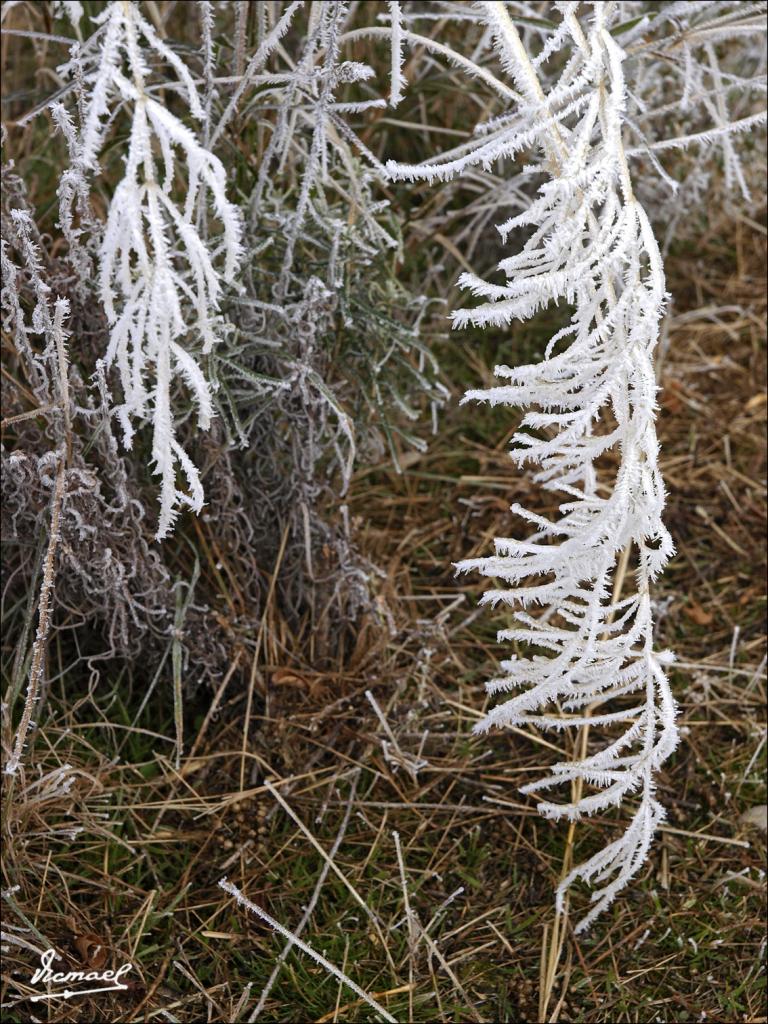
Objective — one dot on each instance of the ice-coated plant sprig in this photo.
(159, 280)
(590, 245)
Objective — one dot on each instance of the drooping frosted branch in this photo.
(159, 280)
(590, 245)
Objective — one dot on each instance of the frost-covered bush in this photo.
(324, 367)
(239, 326)
(66, 483)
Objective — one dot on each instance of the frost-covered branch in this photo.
(159, 280)
(584, 243)
(243, 900)
(590, 245)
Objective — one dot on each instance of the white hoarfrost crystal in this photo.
(588, 654)
(160, 279)
(593, 248)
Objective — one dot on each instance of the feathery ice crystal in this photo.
(590, 246)
(159, 277)
(590, 249)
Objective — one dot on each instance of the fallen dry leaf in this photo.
(756, 401)
(91, 950)
(287, 677)
(697, 614)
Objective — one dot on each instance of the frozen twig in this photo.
(317, 957)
